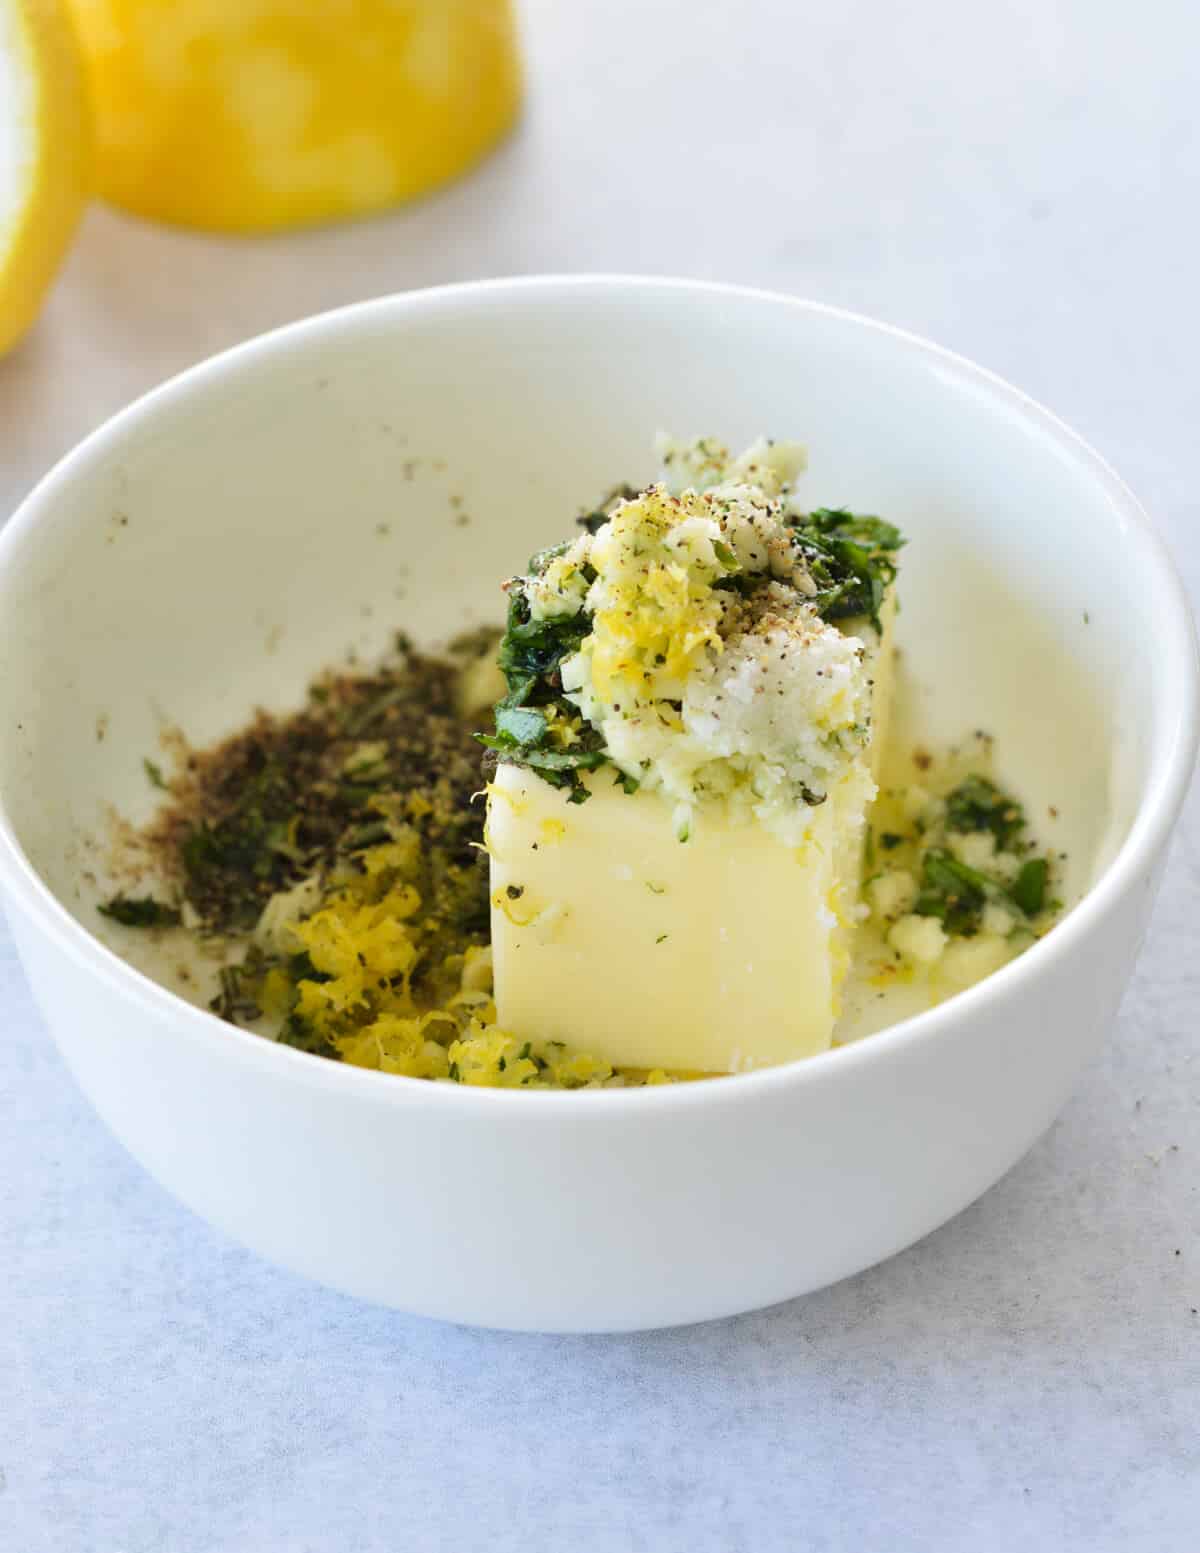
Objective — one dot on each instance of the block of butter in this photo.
(676, 820)
(719, 954)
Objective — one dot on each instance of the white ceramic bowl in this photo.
(247, 523)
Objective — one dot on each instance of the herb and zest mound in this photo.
(689, 638)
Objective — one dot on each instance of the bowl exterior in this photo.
(581, 1217)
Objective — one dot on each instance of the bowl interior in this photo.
(301, 499)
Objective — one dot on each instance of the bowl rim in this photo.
(1160, 800)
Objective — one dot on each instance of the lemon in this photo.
(254, 115)
(44, 155)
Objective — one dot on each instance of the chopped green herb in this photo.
(955, 892)
(531, 650)
(139, 911)
(1029, 887)
(301, 968)
(530, 654)
(952, 892)
(368, 835)
(979, 805)
(521, 724)
(540, 560)
(850, 561)
(595, 520)
(662, 938)
(849, 557)
(889, 841)
(155, 774)
(296, 1032)
(543, 761)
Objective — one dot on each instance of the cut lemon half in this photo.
(44, 155)
(258, 115)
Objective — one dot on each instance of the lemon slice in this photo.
(44, 155)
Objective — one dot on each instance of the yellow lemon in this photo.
(44, 155)
(251, 115)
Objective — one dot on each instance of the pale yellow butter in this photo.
(722, 953)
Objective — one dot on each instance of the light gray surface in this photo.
(1017, 181)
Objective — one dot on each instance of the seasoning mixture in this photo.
(340, 851)
(952, 881)
(336, 858)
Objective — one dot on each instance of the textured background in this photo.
(1017, 181)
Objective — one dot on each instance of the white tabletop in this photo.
(1017, 181)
